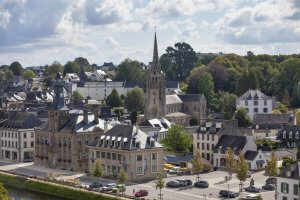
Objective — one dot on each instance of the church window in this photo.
(154, 101)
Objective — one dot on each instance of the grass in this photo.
(50, 189)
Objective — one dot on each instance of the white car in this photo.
(250, 197)
(108, 187)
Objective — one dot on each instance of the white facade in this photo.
(17, 145)
(288, 189)
(254, 102)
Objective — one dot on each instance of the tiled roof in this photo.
(250, 155)
(236, 143)
(269, 118)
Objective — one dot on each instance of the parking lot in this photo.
(215, 179)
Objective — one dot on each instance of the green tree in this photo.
(130, 71)
(286, 99)
(135, 100)
(98, 171)
(4, 193)
(8, 74)
(298, 153)
(50, 73)
(271, 167)
(253, 80)
(247, 80)
(159, 183)
(241, 169)
(122, 177)
(183, 87)
(230, 161)
(198, 165)
(296, 97)
(27, 74)
(119, 111)
(76, 96)
(228, 104)
(177, 139)
(280, 109)
(2, 75)
(72, 67)
(133, 117)
(114, 99)
(16, 68)
(206, 87)
(242, 117)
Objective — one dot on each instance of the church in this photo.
(177, 108)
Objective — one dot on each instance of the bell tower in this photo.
(155, 98)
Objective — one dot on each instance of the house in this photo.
(159, 128)
(125, 147)
(254, 101)
(289, 136)
(239, 144)
(17, 136)
(206, 136)
(288, 182)
(107, 66)
(267, 124)
(71, 77)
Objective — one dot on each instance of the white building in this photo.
(17, 136)
(97, 75)
(254, 101)
(288, 183)
(71, 77)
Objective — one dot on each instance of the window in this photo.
(291, 135)
(139, 170)
(102, 154)
(119, 157)
(16, 135)
(25, 145)
(16, 144)
(198, 145)
(212, 146)
(139, 157)
(265, 102)
(202, 136)
(154, 156)
(296, 189)
(297, 135)
(97, 154)
(114, 156)
(285, 188)
(108, 155)
(265, 110)
(31, 134)
(8, 135)
(154, 168)
(207, 146)
(255, 110)
(213, 137)
(284, 198)
(24, 135)
(246, 103)
(203, 146)
(207, 136)
(255, 103)
(284, 134)
(198, 136)
(203, 155)
(32, 144)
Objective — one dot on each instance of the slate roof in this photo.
(176, 160)
(172, 84)
(287, 129)
(236, 143)
(173, 99)
(269, 118)
(191, 97)
(254, 95)
(20, 120)
(250, 155)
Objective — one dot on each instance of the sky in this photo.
(39, 32)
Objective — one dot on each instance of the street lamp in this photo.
(228, 191)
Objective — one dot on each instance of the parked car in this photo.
(252, 189)
(248, 174)
(119, 188)
(108, 187)
(173, 184)
(250, 197)
(271, 180)
(174, 170)
(201, 184)
(185, 182)
(95, 185)
(270, 187)
(226, 193)
(141, 193)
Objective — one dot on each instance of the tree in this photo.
(72, 67)
(76, 96)
(130, 71)
(28, 74)
(3, 193)
(280, 109)
(177, 139)
(296, 97)
(241, 169)
(253, 80)
(220, 76)
(242, 117)
(133, 117)
(98, 171)
(16, 68)
(122, 177)
(198, 164)
(271, 167)
(119, 111)
(159, 183)
(50, 73)
(227, 104)
(259, 197)
(230, 161)
(286, 99)
(8, 74)
(114, 99)
(194, 122)
(135, 100)
(247, 80)
(2, 76)
(206, 87)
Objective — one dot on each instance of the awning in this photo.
(260, 162)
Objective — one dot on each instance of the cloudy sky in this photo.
(38, 32)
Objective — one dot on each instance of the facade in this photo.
(289, 136)
(256, 160)
(128, 148)
(61, 141)
(17, 136)
(179, 109)
(268, 125)
(254, 101)
(288, 182)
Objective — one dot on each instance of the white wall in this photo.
(290, 195)
(251, 106)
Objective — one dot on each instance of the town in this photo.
(186, 125)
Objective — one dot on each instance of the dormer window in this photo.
(284, 134)
(297, 135)
(152, 143)
(137, 145)
(291, 135)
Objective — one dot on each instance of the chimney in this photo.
(105, 126)
(85, 116)
(96, 118)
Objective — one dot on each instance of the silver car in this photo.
(108, 187)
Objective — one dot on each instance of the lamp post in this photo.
(228, 191)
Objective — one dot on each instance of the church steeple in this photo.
(155, 62)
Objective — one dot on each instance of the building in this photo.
(288, 182)
(179, 109)
(71, 77)
(97, 75)
(61, 141)
(254, 101)
(17, 136)
(267, 124)
(128, 148)
(289, 136)
(156, 128)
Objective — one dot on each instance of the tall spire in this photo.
(155, 63)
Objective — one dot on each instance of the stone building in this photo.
(61, 141)
(127, 147)
(179, 109)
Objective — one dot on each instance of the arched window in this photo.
(291, 135)
(284, 134)
(297, 135)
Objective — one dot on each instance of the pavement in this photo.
(215, 179)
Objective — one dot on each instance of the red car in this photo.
(141, 193)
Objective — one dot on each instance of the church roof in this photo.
(191, 97)
(173, 99)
